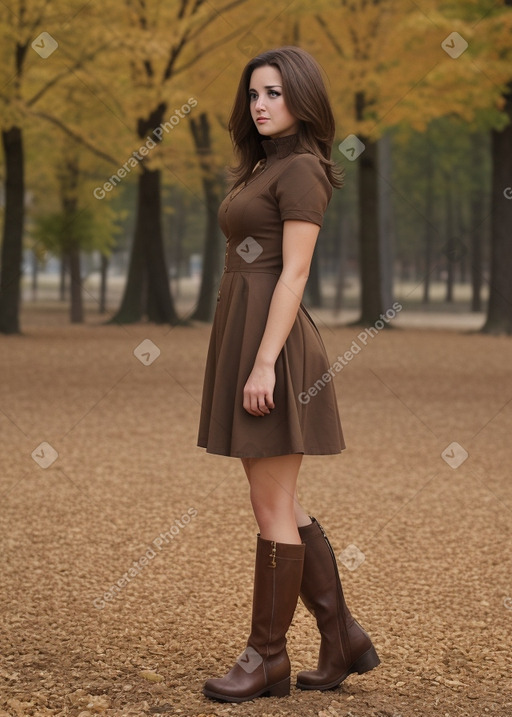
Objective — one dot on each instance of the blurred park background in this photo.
(113, 164)
(115, 147)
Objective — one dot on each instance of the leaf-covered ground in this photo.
(127, 562)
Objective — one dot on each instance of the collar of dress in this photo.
(280, 147)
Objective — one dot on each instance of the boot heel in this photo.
(366, 662)
(280, 689)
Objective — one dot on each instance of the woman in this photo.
(265, 352)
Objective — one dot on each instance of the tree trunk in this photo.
(461, 249)
(429, 230)
(450, 248)
(372, 305)
(371, 250)
(12, 243)
(62, 278)
(499, 312)
(313, 289)
(176, 261)
(70, 244)
(103, 283)
(476, 231)
(77, 307)
(386, 220)
(341, 260)
(178, 226)
(210, 276)
(147, 292)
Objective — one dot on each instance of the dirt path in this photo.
(130, 495)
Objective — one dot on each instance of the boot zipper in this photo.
(339, 591)
(330, 548)
(273, 554)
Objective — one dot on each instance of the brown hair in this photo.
(306, 98)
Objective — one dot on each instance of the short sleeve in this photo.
(303, 190)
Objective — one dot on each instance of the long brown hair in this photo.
(306, 98)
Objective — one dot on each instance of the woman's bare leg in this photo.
(301, 517)
(273, 484)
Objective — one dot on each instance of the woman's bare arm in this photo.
(299, 239)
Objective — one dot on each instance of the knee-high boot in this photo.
(263, 669)
(345, 647)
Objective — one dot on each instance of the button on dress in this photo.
(288, 184)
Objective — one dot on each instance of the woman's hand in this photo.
(259, 390)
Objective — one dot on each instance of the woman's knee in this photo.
(271, 507)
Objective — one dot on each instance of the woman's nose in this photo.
(260, 105)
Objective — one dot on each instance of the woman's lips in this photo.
(261, 120)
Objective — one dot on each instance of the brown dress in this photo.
(289, 184)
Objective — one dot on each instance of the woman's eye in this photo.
(273, 93)
(252, 96)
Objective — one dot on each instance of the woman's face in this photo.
(268, 108)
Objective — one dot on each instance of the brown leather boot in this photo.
(345, 647)
(263, 668)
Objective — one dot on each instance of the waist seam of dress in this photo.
(251, 271)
